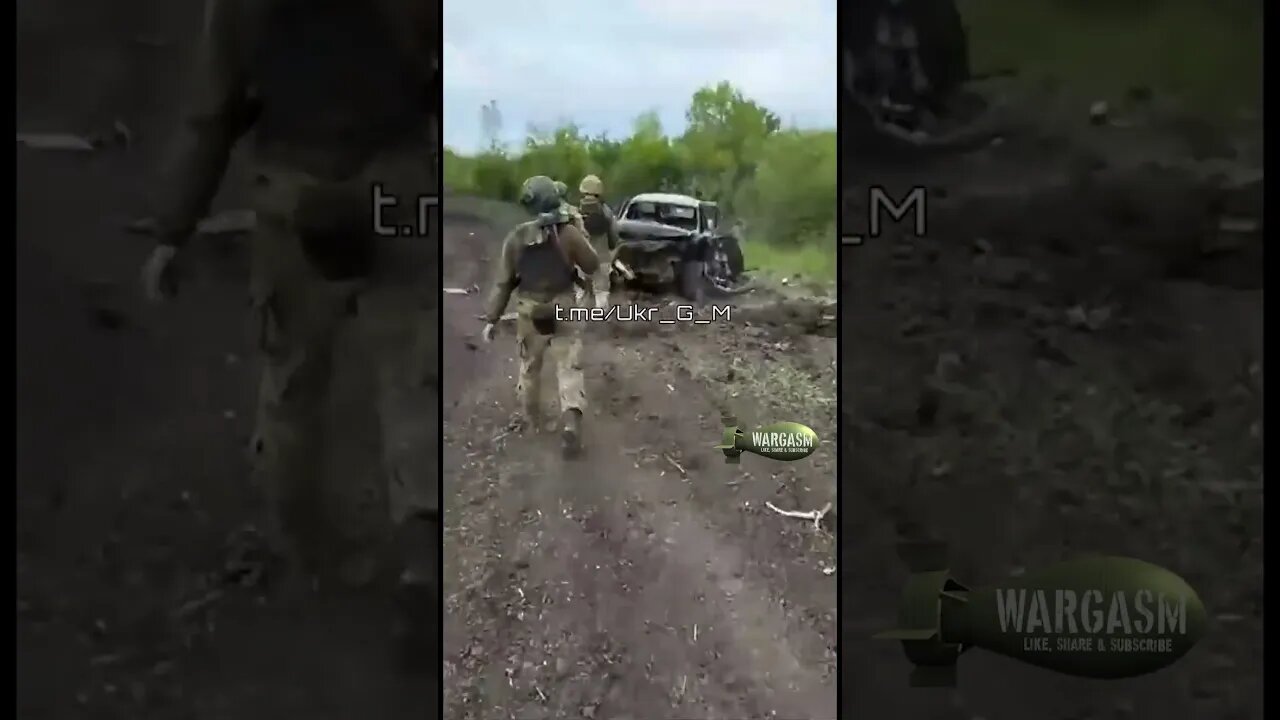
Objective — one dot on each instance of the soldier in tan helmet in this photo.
(602, 227)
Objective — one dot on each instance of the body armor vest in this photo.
(543, 267)
(595, 216)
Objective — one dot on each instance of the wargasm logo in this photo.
(1067, 620)
(1099, 617)
(779, 441)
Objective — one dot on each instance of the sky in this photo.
(601, 64)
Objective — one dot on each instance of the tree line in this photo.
(779, 183)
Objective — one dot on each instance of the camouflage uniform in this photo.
(602, 229)
(538, 292)
(325, 288)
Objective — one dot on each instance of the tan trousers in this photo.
(565, 348)
(600, 280)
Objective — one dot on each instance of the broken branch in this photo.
(813, 515)
(675, 464)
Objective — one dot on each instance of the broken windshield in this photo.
(681, 216)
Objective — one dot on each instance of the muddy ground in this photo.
(1070, 361)
(133, 421)
(647, 579)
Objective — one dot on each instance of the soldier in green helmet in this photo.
(538, 267)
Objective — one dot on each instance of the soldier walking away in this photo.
(539, 263)
(602, 229)
(341, 96)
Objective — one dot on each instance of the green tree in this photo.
(725, 134)
(605, 154)
(792, 195)
(492, 176)
(459, 173)
(646, 160)
(560, 153)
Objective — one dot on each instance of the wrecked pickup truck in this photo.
(672, 241)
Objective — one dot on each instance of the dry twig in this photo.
(813, 515)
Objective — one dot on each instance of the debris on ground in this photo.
(814, 516)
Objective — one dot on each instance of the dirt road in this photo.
(1065, 365)
(133, 421)
(647, 579)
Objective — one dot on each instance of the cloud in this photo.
(602, 64)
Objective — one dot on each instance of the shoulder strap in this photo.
(551, 234)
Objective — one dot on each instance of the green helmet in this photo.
(562, 190)
(538, 195)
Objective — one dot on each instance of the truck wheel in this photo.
(691, 281)
(734, 260)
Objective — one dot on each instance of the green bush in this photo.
(781, 183)
(790, 197)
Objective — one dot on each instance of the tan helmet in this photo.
(591, 185)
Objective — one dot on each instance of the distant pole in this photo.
(491, 124)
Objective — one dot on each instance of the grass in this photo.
(1206, 54)
(809, 261)
(792, 392)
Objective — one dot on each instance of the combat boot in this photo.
(571, 432)
(418, 592)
